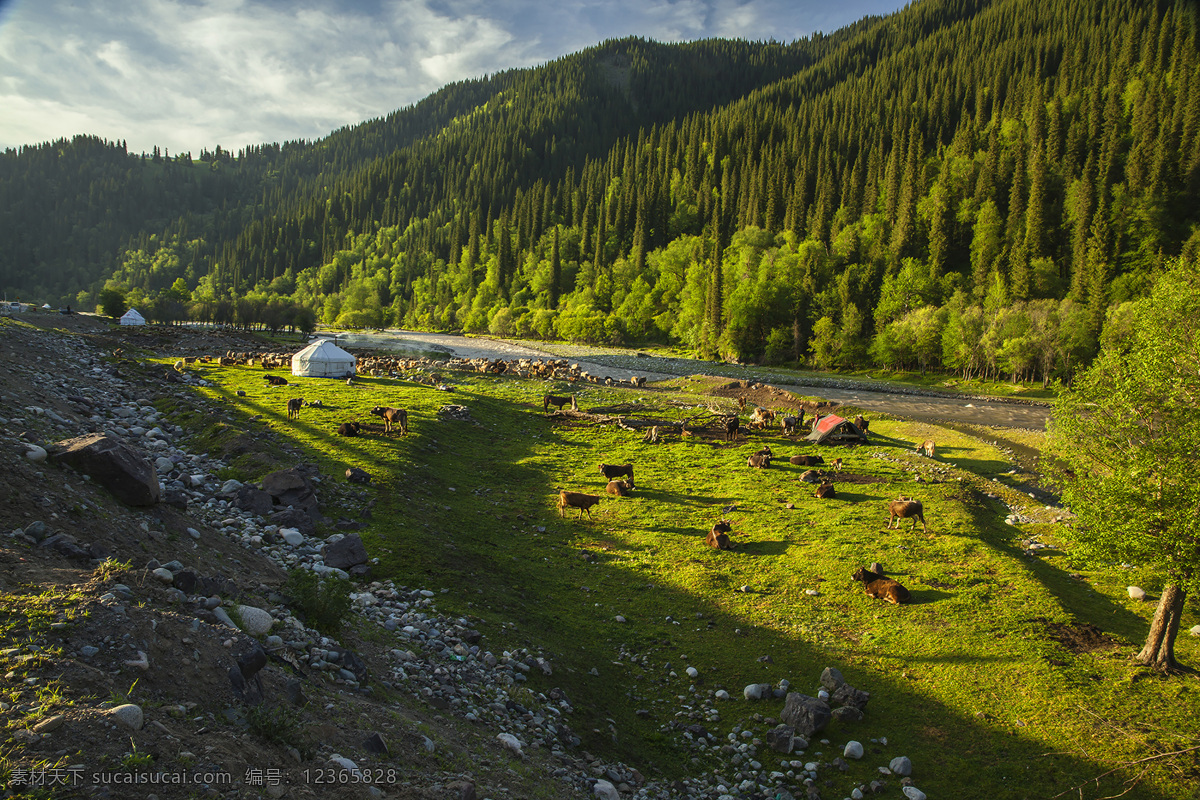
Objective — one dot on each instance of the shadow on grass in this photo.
(768, 548)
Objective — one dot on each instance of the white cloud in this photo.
(190, 74)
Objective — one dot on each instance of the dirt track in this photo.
(918, 407)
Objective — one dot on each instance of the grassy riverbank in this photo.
(991, 681)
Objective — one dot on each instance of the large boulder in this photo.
(291, 518)
(345, 553)
(113, 465)
(292, 487)
(256, 501)
(806, 714)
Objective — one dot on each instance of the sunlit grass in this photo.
(965, 680)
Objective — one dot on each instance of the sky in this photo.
(187, 75)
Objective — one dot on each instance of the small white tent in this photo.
(132, 317)
(323, 359)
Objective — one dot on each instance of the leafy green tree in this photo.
(1127, 434)
(112, 302)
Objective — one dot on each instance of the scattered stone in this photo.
(255, 621)
(49, 724)
(806, 714)
(605, 790)
(164, 575)
(831, 678)
(345, 553)
(913, 793)
(376, 744)
(1136, 593)
(35, 453)
(511, 743)
(757, 691)
(128, 715)
(853, 750)
(900, 765)
(292, 536)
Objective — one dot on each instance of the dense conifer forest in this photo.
(967, 185)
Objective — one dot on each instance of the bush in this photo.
(324, 604)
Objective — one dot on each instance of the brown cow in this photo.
(392, 416)
(555, 400)
(275, 380)
(619, 488)
(583, 502)
(927, 447)
(903, 508)
(294, 405)
(759, 461)
(718, 537)
(881, 588)
(825, 492)
(732, 424)
(837, 465)
(349, 429)
(807, 461)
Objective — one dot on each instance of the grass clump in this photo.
(275, 723)
(324, 604)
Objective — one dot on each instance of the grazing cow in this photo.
(732, 424)
(825, 492)
(614, 471)
(349, 429)
(807, 461)
(718, 537)
(761, 417)
(837, 465)
(862, 423)
(742, 404)
(789, 424)
(555, 400)
(294, 405)
(759, 461)
(903, 508)
(927, 447)
(881, 588)
(275, 380)
(392, 416)
(619, 488)
(583, 502)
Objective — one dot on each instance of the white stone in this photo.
(913, 793)
(510, 743)
(619, 618)
(163, 464)
(856, 794)
(292, 536)
(255, 621)
(901, 766)
(35, 453)
(853, 750)
(692, 672)
(605, 790)
(165, 575)
(757, 691)
(724, 695)
(1136, 592)
(1195, 631)
(344, 763)
(128, 715)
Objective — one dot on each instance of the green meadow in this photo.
(987, 680)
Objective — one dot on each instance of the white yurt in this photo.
(323, 359)
(132, 317)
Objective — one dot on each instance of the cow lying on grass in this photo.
(275, 380)
(718, 537)
(880, 587)
(807, 461)
(619, 488)
(349, 429)
(825, 492)
(392, 416)
(583, 502)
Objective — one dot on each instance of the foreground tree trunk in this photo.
(1159, 650)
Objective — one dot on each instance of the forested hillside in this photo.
(965, 184)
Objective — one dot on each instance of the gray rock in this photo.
(806, 714)
(35, 453)
(848, 714)
(605, 790)
(832, 678)
(36, 530)
(113, 465)
(163, 464)
(87, 651)
(376, 744)
(49, 724)
(292, 536)
(780, 739)
(164, 575)
(255, 621)
(900, 765)
(348, 552)
(128, 716)
(913, 793)
(511, 743)
(224, 618)
(253, 500)
(757, 691)
(853, 750)
(847, 695)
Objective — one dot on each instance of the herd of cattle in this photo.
(619, 477)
